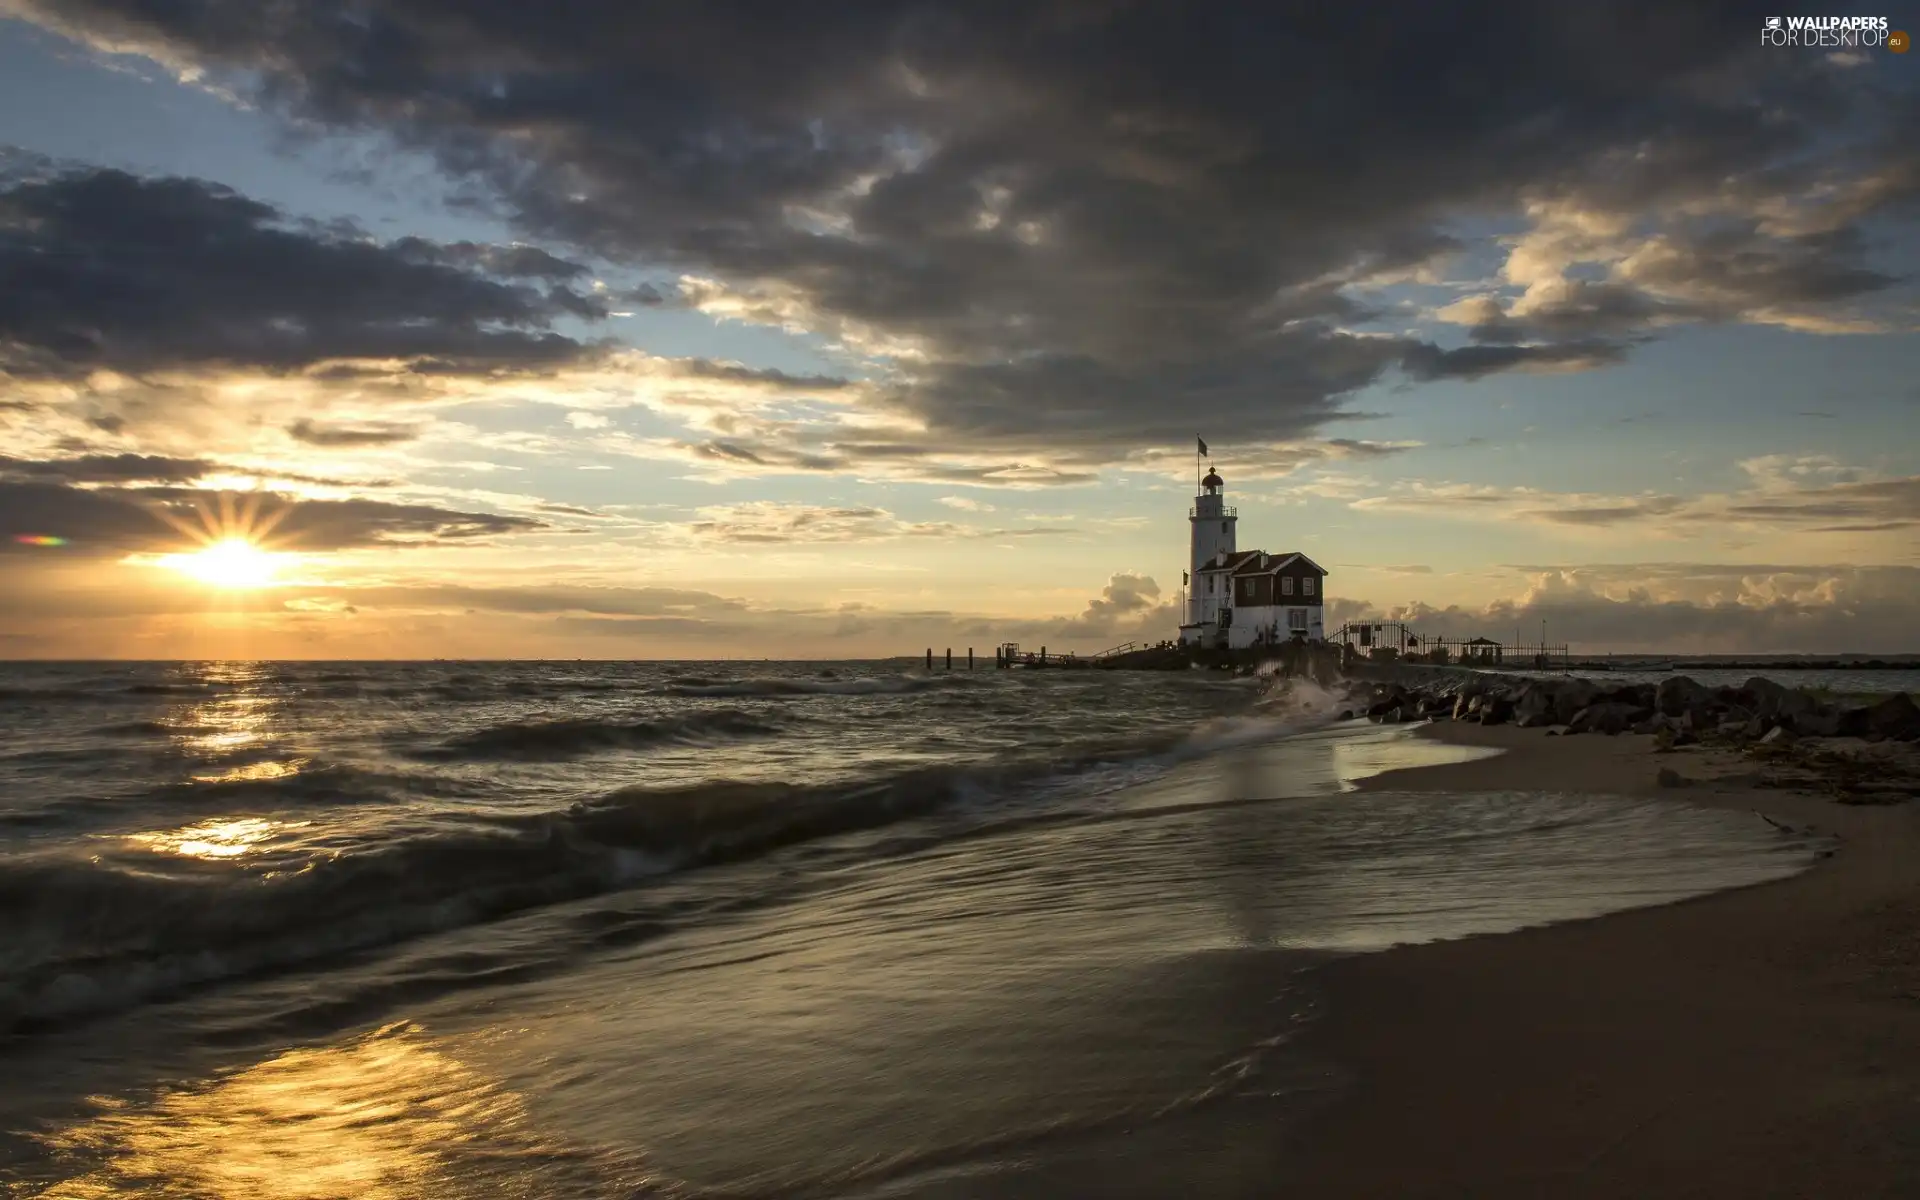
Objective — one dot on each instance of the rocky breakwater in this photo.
(1779, 724)
(1679, 708)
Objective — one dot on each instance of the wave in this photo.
(572, 737)
(147, 729)
(825, 685)
(310, 786)
(32, 695)
(100, 694)
(208, 687)
(92, 936)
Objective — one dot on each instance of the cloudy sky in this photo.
(718, 329)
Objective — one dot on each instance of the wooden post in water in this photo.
(1043, 656)
(969, 658)
(949, 658)
(929, 658)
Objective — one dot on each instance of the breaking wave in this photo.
(573, 737)
(92, 936)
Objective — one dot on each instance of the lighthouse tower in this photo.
(1214, 525)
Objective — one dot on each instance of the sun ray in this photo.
(231, 533)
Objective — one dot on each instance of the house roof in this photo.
(1277, 563)
(1233, 561)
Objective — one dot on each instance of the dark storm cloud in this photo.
(1085, 218)
(109, 522)
(109, 270)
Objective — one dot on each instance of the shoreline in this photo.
(1763, 1041)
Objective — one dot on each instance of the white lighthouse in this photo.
(1213, 541)
(1244, 598)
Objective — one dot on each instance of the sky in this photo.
(474, 328)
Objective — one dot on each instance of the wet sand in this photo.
(1758, 1043)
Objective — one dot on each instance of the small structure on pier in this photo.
(1395, 639)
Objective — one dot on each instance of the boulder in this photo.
(1668, 777)
(1607, 717)
(1534, 705)
(1678, 695)
(1779, 735)
(1819, 722)
(1790, 707)
(1496, 711)
(1636, 695)
(1572, 695)
(1386, 704)
(1896, 719)
(1763, 695)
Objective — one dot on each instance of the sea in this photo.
(723, 929)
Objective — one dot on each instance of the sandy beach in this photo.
(1764, 1042)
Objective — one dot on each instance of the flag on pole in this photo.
(1203, 444)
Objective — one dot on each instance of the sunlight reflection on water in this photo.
(390, 1115)
(217, 839)
(255, 772)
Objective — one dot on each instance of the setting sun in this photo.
(229, 563)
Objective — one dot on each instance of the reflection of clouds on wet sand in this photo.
(389, 1116)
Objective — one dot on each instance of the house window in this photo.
(1306, 586)
(1297, 618)
(1286, 585)
(1223, 527)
